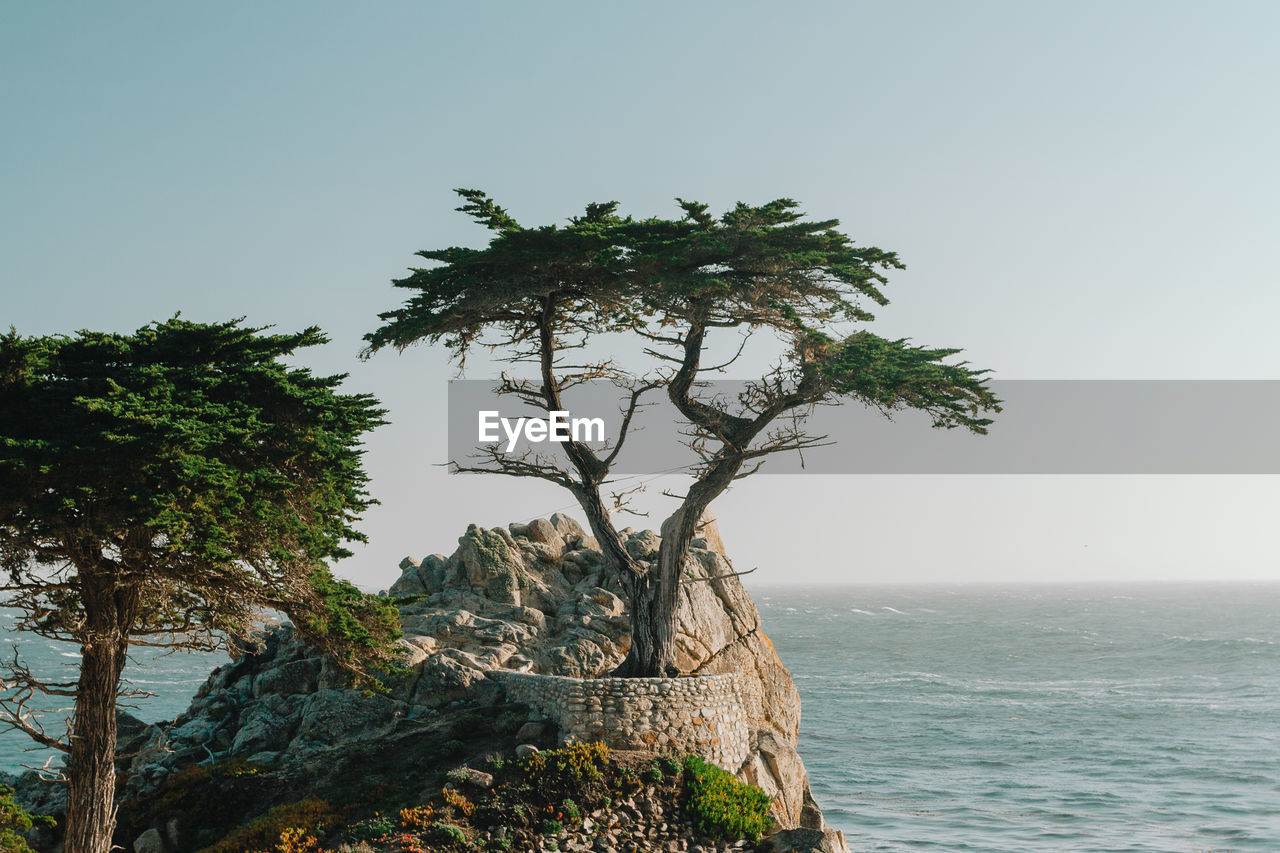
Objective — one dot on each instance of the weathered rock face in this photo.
(530, 598)
(573, 622)
(805, 841)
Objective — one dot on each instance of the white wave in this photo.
(863, 612)
(145, 681)
(893, 610)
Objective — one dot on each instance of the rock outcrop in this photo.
(528, 598)
(535, 598)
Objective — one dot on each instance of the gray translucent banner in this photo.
(1046, 427)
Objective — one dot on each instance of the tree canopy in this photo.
(535, 294)
(164, 488)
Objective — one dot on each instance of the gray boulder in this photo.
(804, 841)
(298, 676)
(334, 716)
(567, 527)
(543, 532)
(149, 842)
(490, 561)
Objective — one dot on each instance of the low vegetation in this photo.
(720, 805)
(521, 804)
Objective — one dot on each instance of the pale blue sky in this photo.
(1080, 190)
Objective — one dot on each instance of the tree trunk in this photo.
(652, 652)
(654, 594)
(109, 610)
(638, 584)
(655, 597)
(91, 770)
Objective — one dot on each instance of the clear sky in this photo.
(1079, 190)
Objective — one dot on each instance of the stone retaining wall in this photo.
(703, 714)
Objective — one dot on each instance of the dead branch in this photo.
(622, 498)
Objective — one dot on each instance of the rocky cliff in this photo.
(529, 598)
(535, 598)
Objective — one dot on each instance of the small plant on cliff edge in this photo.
(574, 762)
(570, 810)
(458, 802)
(450, 833)
(459, 775)
(296, 840)
(721, 806)
(375, 828)
(628, 778)
(419, 817)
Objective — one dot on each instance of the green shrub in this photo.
(551, 827)
(503, 843)
(575, 762)
(375, 828)
(721, 806)
(449, 833)
(669, 765)
(654, 773)
(453, 748)
(570, 810)
(14, 820)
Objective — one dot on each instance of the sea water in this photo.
(160, 683)
(986, 718)
(1039, 718)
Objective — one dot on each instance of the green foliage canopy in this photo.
(676, 286)
(192, 469)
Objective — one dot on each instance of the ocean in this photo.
(995, 718)
(1039, 718)
(171, 679)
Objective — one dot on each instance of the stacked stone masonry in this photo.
(703, 715)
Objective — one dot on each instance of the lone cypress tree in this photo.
(161, 489)
(538, 294)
